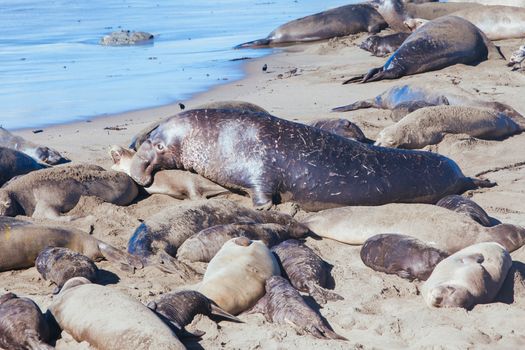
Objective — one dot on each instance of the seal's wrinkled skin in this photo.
(466, 206)
(278, 160)
(14, 163)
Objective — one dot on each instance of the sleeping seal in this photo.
(22, 324)
(518, 3)
(381, 46)
(49, 192)
(471, 276)
(306, 270)
(14, 163)
(109, 319)
(468, 207)
(341, 127)
(276, 160)
(401, 255)
(282, 304)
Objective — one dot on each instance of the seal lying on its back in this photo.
(383, 45)
(22, 241)
(175, 183)
(341, 127)
(402, 255)
(428, 126)
(14, 163)
(447, 230)
(438, 44)
(278, 160)
(109, 319)
(306, 270)
(22, 324)
(473, 275)
(40, 153)
(341, 21)
(282, 304)
(49, 192)
(468, 207)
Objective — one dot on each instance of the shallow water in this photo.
(53, 70)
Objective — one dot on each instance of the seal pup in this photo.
(443, 228)
(468, 207)
(22, 324)
(382, 45)
(401, 255)
(440, 43)
(50, 192)
(175, 183)
(179, 308)
(428, 126)
(471, 276)
(39, 153)
(340, 21)
(109, 319)
(276, 160)
(282, 304)
(204, 245)
(58, 265)
(341, 127)
(306, 270)
(235, 277)
(21, 242)
(14, 163)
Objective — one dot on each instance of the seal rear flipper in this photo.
(218, 311)
(169, 264)
(472, 183)
(356, 79)
(356, 105)
(254, 44)
(127, 261)
(324, 332)
(322, 295)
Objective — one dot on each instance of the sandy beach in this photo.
(379, 311)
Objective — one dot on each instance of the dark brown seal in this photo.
(401, 255)
(22, 324)
(204, 245)
(341, 127)
(14, 163)
(466, 206)
(276, 160)
(284, 305)
(58, 265)
(306, 270)
(382, 45)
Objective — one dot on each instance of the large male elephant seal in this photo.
(109, 319)
(438, 44)
(340, 21)
(468, 207)
(278, 160)
(14, 163)
(445, 229)
(473, 275)
(49, 192)
(22, 324)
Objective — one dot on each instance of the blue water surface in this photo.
(52, 69)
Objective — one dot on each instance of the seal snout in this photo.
(242, 241)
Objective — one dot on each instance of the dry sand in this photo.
(379, 311)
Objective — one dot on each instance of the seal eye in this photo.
(160, 146)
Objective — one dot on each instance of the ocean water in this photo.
(52, 69)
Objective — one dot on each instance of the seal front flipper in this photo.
(254, 44)
(127, 262)
(322, 295)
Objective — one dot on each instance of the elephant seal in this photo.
(443, 228)
(109, 319)
(39, 153)
(404, 108)
(276, 160)
(468, 207)
(440, 43)
(306, 270)
(340, 21)
(181, 307)
(401, 255)
(14, 163)
(235, 277)
(49, 192)
(58, 265)
(283, 305)
(517, 58)
(175, 183)
(473, 275)
(157, 239)
(427, 126)
(341, 127)
(22, 324)
(436, 9)
(383, 45)
(21, 242)
(393, 11)
(518, 3)
(204, 245)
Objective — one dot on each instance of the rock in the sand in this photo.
(126, 37)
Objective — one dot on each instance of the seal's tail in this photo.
(354, 106)
(254, 44)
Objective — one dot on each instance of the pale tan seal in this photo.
(235, 277)
(179, 184)
(471, 276)
(428, 126)
(109, 319)
(443, 228)
(519, 3)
